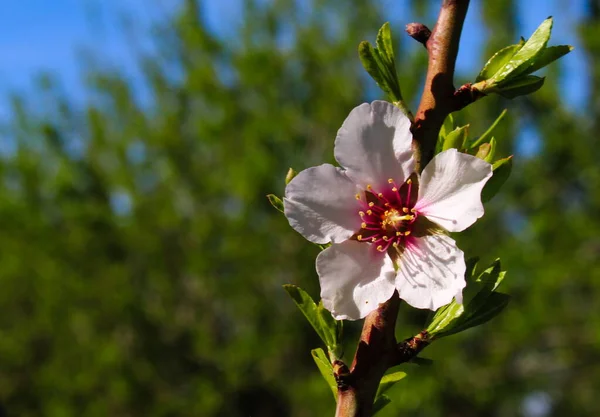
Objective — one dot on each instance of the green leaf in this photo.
(524, 58)
(367, 56)
(498, 61)
(483, 151)
(456, 138)
(492, 152)
(380, 63)
(275, 202)
(384, 44)
(489, 131)
(501, 171)
(447, 127)
(495, 303)
(480, 303)
(547, 56)
(380, 402)
(290, 175)
(319, 318)
(521, 86)
(325, 368)
(388, 381)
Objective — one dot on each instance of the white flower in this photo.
(386, 223)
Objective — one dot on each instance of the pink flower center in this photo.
(387, 215)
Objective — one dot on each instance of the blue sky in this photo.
(42, 35)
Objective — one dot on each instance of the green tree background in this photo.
(141, 264)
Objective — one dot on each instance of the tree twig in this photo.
(378, 350)
(438, 98)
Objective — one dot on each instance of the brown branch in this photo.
(438, 99)
(378, 350)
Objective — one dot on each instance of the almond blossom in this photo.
(387, 225)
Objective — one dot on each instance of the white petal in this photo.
(374, 144)
(450, 189)
(320, 204)
(355, 278)
(431, 272)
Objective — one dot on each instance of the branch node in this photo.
(419, 32)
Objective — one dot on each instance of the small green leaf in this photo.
(290, 175)
(489, 131)
(492, 152)
(483, 151)
(493, 306)
(448, 126)
(501, 172)
(275, 202)
(319, 318)
(497, 61)
(524, 58)
(380, 402)
(547, 56)
(388, 381)
(521, 86)
(367, 57)
(480, 303)
(325, 368)
(456, 138)
(384, 43)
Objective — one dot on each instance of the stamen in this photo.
(369, 187)
(407, 233)
(359, 237)
(363, 225)
(386, 238)
(390, 181)
(380, 248)
(397, 234)
(405, 209)
(409, 182)
(369, 212)
(361, 213)
(357, 196)
(371, 204)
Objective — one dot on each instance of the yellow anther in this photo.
(357, 196)
(412, 210)
(359, 237)
(394, 189)
(380, 195)
(395, 244)
(407, 233)
(405, 209)
(380, 248)
(369, 187)
(363, 225)
(398, 233)
(409, 181)
(371, 204)
(390, 181)
(373, 239)
(369, 212)
(386, 238)
(387, 204)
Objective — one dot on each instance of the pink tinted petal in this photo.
(374, 144)
(355, 278)
(450, 189)
(320, 204)
(431, 272)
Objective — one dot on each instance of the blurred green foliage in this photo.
(142, 265)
